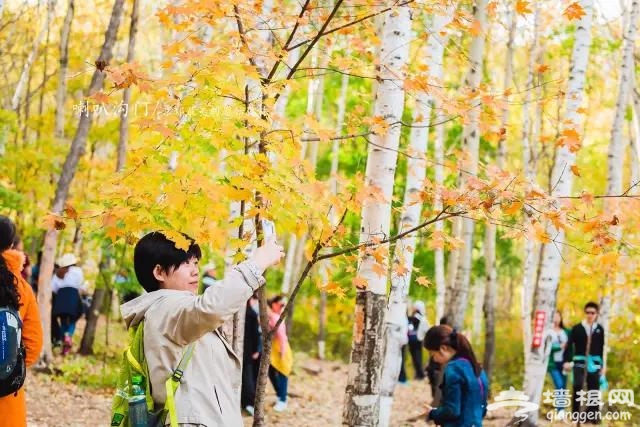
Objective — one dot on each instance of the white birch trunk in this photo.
(616, 163)
(471, 144)
(562, 180)
(441, 285)
(361, 406)
(61, 90)
(479, 291)
(126, 95)
(491, 274)
(24, 76)
(635, 145)
(402, 265)
(529, 141)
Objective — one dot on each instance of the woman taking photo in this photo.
(464, 384)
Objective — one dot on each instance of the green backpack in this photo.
(134, 363)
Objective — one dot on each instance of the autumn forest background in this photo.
(481, 156)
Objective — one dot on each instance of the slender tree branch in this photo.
(303, 276)
(439, 217)
(243, 38)
(274, 69)
(349, 24)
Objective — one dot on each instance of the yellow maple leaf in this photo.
(513, 208)
(574, 11)
(423, 281)
(522, 7)
(540, 234)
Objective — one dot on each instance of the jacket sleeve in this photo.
(31, 326)
(450, 408)
(187, 317)
(600, 349)
(568, 350)
(485, 392)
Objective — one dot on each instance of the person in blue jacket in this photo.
(464, 385)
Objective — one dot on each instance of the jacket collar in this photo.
(588, 329)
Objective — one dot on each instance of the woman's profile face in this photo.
(184, 278)
(442, 355)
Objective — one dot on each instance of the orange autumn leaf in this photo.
(587, 198)
(400, 269)
(492, 8)
(475, 28)
(53, 221)
(513, 208)
(542, 68)
(70, 211)
(540, 234)
(575, 170)
(423, 281)
(522, 7)
(379, 269)
(574, 11)
(360, 282)
(100, 97)
(570, 138)
(437, 240)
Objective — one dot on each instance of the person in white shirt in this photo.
(67, 284)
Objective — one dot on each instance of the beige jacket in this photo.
(209, 392)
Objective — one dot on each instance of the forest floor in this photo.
(316, 400)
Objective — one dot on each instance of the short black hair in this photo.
(592, 304)
(156, 249)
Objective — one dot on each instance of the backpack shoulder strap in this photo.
(173, 382)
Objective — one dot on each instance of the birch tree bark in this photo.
(361, 406)
(530, 131)
(562, 180)
(24, 76)
(471, 144)
(126, 95)
(616, 161)
(61, 90)
(440, 279)
(491, 273)
(402, 264)
(77, 149)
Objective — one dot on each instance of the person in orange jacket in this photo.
(14, 407)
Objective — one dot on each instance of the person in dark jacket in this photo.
(67, 286)
(250, 354)
(585, 351)
(464, 384)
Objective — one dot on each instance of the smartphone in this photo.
(268, 228)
